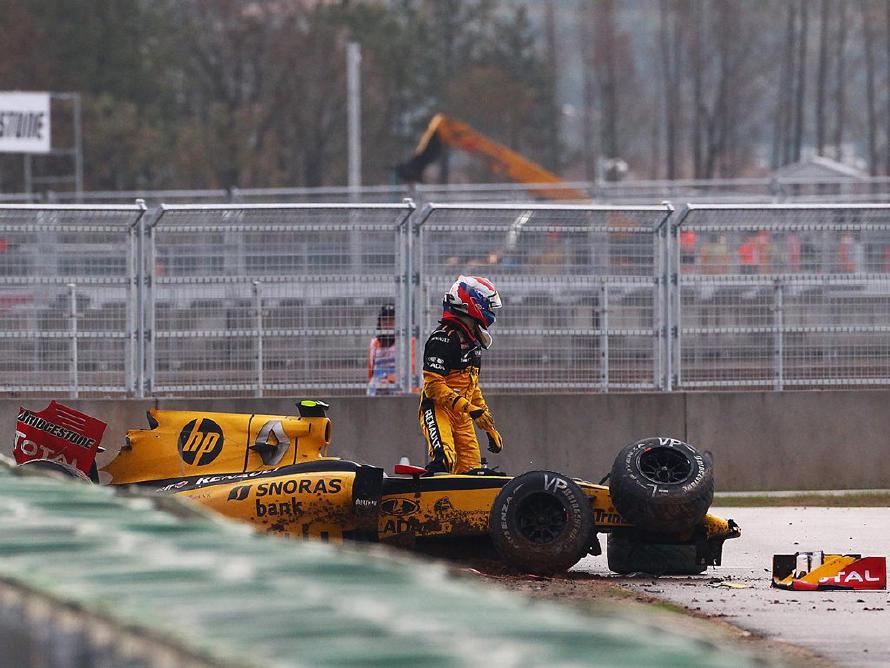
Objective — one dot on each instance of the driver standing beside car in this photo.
(451, 401)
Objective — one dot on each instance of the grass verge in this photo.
(845, 500)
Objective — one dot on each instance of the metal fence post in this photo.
(778, 334)
(149, 356)
(405, 300)
(673, 299)
(72, 328)
(661, 303)
(137, 324)
(258, 323)
(604, 336)
(132, 310)
(418, 296)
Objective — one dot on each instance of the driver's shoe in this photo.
(436, 466)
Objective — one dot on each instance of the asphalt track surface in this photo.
(848, 628)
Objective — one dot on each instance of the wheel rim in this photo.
(665, 465)
(542, 518)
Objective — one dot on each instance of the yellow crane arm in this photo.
(445, 131)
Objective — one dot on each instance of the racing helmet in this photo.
(474, 297)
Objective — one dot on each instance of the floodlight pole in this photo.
(354, 102)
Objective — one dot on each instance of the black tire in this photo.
(541, 523)
(628, 555)
(662, 485)
(56, 468)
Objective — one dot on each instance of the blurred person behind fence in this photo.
(382, 354)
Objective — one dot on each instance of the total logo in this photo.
(34, 450)
(200, 442)
(843, 578)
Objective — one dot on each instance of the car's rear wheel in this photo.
(541, 522)
(662, 485)
(627, 554)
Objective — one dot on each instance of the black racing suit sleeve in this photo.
(440, 355)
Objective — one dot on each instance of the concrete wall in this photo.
(760, 440)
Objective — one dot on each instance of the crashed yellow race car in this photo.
(273, 471)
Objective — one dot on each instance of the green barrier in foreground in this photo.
(235, 597)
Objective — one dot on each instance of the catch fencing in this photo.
(267, 299)
(68, 318)
(792, 296)
(581, 288)
(279, 299)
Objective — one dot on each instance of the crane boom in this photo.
(445, 131)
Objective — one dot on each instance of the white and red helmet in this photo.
(475, 297)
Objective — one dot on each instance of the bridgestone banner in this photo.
(24, 122)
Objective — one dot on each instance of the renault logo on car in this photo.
(399, 507)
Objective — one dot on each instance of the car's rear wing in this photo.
(60, 435)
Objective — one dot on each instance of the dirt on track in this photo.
(599, 593)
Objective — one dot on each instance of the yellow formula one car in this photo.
(273, 471)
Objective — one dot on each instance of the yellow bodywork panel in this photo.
(188, 443)
(448, 512)
(302, 505)
(605, 516)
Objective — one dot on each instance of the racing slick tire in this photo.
(627, 555)
(541, 523)
(662, 485)
(59, 469)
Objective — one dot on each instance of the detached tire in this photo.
(541, 523)
(662, 485)
(628, 555)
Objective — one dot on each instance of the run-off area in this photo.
(850, 628)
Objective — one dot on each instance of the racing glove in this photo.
(495, 442)
(484, 421)
(461, 405)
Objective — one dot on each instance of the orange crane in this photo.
(445, 131)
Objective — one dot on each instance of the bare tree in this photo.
(840, 102)
(887, 36)
(822, 72)
(697, 11)
(800, 94)
(782, 119)
(670, 65)
(871, 111)
(605, 57)
(589, 83)
(552, 64)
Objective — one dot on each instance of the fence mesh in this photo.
(579, 285)
(274, 299)
(271, 299)
(67, 299)
(794, 296)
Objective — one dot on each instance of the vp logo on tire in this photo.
(200, 442)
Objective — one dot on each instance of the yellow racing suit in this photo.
(451, 362)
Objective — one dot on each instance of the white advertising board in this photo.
(24, 122)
